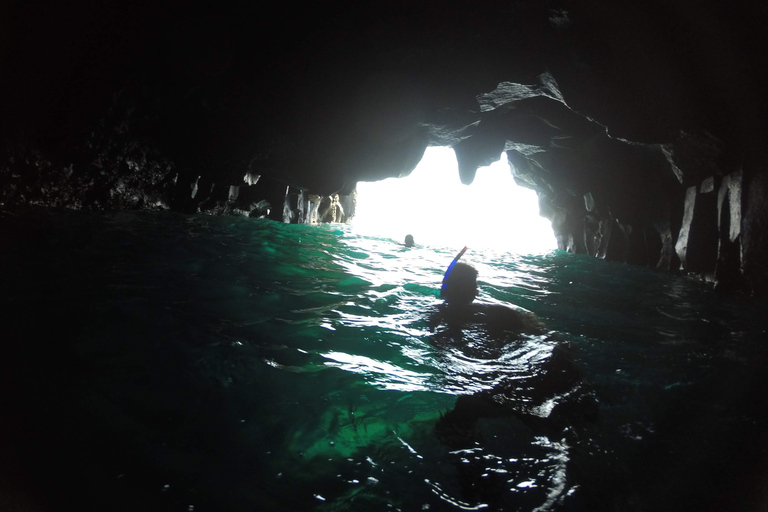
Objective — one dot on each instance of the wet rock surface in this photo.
(641, 126)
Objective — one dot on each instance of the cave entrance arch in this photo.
(438, 210)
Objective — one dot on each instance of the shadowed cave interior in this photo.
(640, 126)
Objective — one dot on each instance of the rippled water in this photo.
(156, 361)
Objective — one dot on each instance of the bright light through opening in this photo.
(438, 210)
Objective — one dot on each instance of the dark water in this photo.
(154, 361)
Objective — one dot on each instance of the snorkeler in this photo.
(459, 289)
(523, 385)
(409, 241)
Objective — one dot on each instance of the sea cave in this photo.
(186, 295)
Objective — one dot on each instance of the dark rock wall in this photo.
(753, 236)
(641, 125)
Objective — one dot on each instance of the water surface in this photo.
(156, 361)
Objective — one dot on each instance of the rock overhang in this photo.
(625, 104)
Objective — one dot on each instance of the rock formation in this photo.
(641, 126)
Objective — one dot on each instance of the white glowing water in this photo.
(437, 209)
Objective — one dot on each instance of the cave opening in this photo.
(437, 209)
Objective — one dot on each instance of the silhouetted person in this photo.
(459, 291)
(543, 396)
(409, 241)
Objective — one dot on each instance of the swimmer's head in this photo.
(460, 285)
(409, 240)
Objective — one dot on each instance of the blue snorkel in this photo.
(450, 267)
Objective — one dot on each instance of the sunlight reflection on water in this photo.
(219, 352)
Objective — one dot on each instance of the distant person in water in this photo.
(459, 290)
(409, 241)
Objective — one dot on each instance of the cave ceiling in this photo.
(320, 95)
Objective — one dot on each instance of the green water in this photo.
(155, 361)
